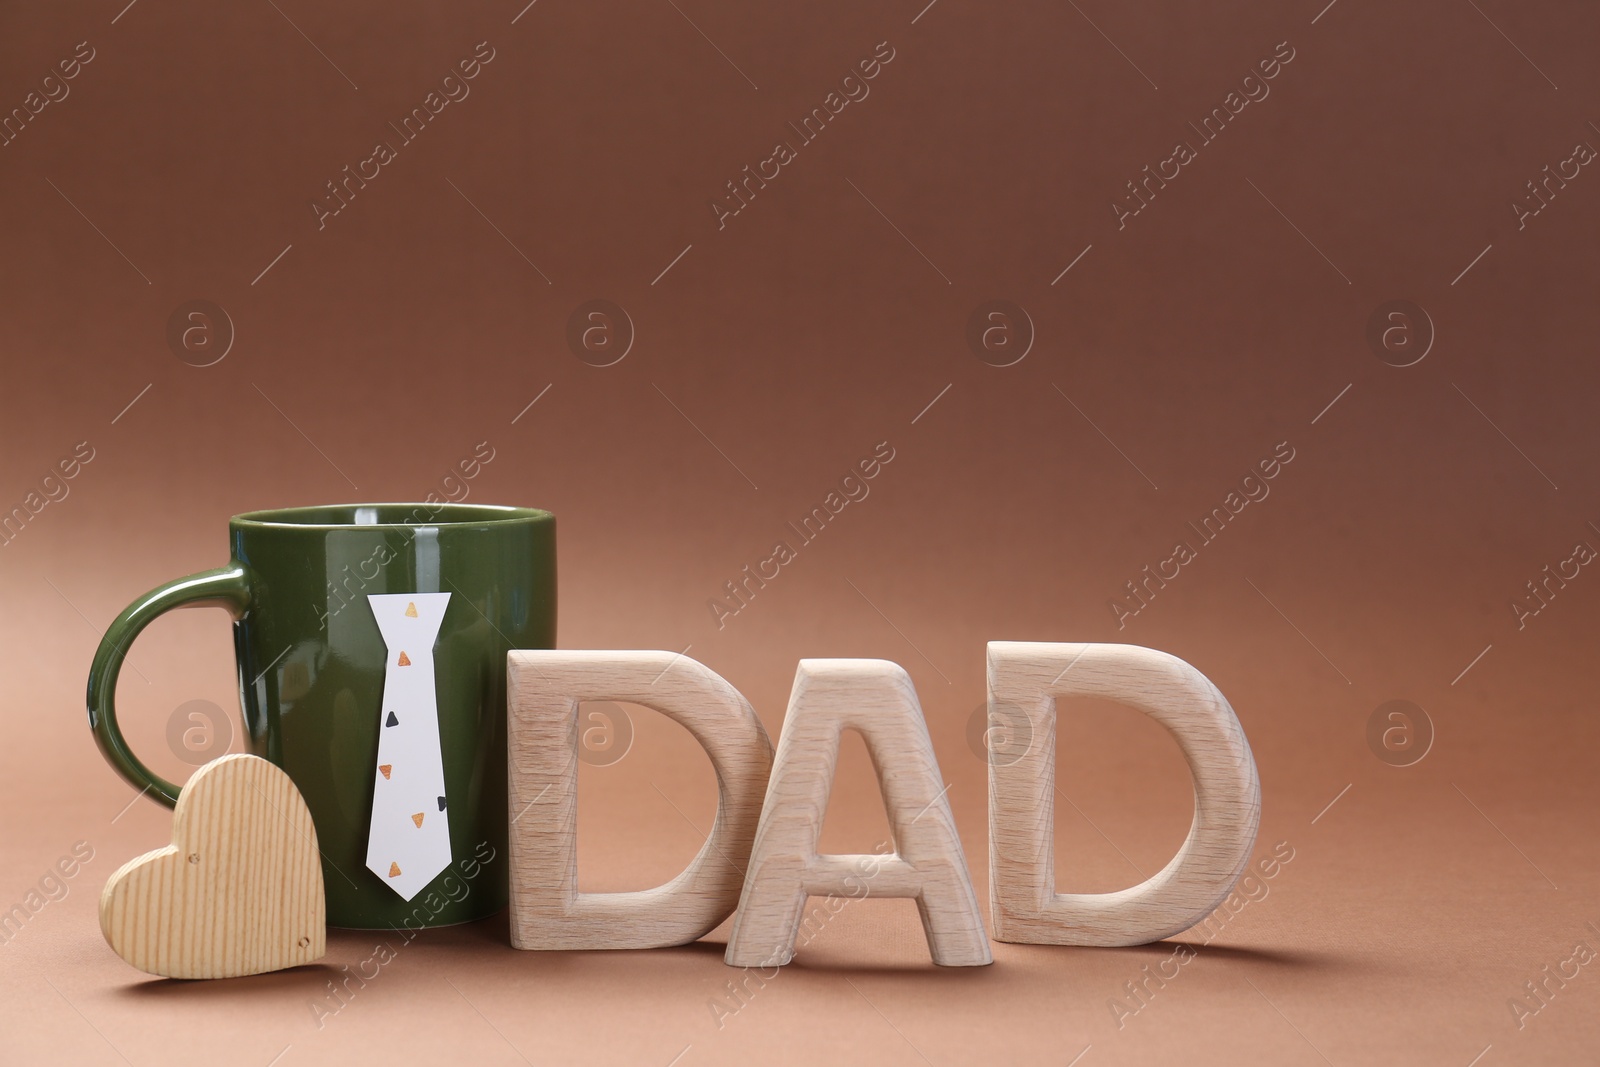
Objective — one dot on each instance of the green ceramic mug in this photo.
(312, 667)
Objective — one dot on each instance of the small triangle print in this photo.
(441, 803)
(403, 661)
(417, 818)
(384, 769)
(411, 610)
(394, 870)
(391, 721)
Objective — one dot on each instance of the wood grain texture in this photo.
(876, 698)
(1025, 680)
(544, 689)
(239, 890)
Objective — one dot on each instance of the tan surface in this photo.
(1219, 322)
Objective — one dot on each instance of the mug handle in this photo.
(225, 587)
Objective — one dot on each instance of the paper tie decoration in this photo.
(404, 849)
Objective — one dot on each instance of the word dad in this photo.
(770, 807)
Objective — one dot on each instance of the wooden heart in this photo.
(239, 890)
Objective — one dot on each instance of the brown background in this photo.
(823, 319)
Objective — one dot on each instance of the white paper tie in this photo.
(409, 843)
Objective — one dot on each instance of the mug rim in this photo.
(444, 513)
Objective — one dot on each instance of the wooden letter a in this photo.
(875, 697)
